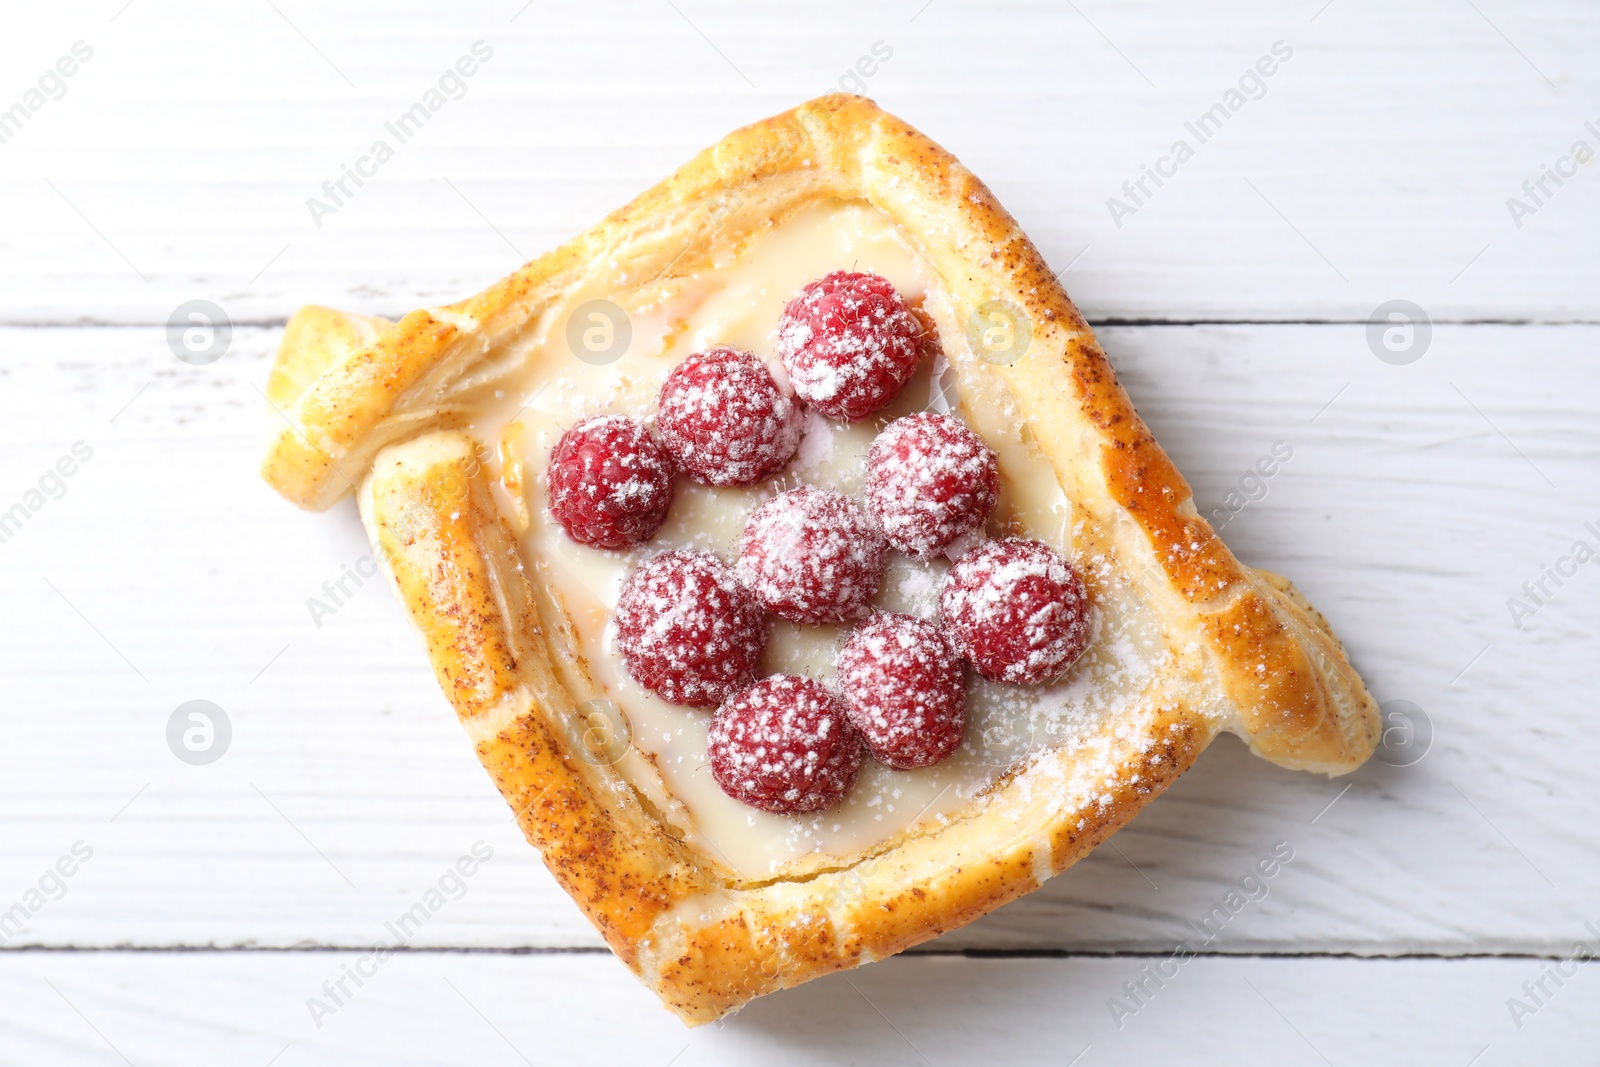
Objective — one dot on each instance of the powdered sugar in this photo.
(849, 343)
(687, 630)
(816, 445)
(609, 482)
(904, 689)
(812, 555)
(784, 745)
(1017, 610)
(914, 585)
(725, 419)
(930, 480)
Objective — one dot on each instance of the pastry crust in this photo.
(388, 406)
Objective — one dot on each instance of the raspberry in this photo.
(784, 745)
(929, 480)
(812, 555)
(904, 690)
(609, 482)
(725, 420)
(1017, 610)
(849, 343)
(688, 630)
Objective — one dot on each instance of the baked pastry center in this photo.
(738, 302)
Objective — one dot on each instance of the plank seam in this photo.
(596, 950)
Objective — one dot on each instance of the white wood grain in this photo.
(1403, 513)
(1376, 165)
(433, 1008)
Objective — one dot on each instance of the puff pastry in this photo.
(434, 421)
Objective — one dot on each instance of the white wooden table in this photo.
(1430, 894)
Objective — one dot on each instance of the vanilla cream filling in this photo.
(738, 303)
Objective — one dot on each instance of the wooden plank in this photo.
(416, 1008)
(167, 572)
(1376, 163)
(1379, 163)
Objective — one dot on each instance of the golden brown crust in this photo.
(453, 560)
(315, 339)
(1250, 655)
